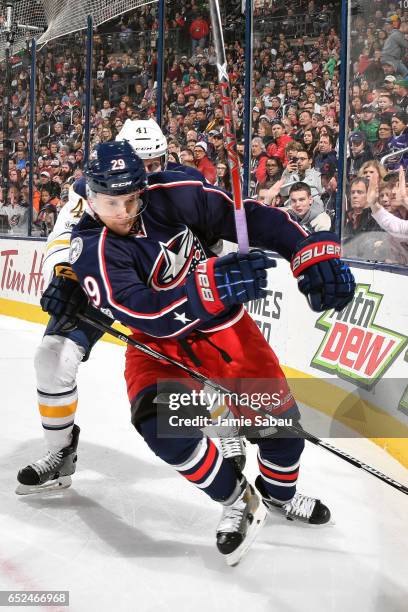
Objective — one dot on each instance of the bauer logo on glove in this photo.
(319, 252)
(322, 276)
(203, 283)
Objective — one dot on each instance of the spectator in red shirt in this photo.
(203, 164)
(199, 31)
(277, 148)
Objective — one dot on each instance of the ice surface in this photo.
(130, 535)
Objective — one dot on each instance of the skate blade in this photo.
(330, 523)
(259, 518)
(48, 487)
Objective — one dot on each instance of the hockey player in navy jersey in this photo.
(64, 345)
(142, 253)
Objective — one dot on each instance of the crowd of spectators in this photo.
(377, 127)
(295, 108)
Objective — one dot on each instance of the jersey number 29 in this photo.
(92, 290)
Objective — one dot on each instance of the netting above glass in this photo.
(71, 16)
(26, 13)
(53, 18)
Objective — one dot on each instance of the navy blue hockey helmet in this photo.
(115, 169)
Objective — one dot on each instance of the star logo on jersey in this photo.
(176, 260)
(178, 257)
(181, 317)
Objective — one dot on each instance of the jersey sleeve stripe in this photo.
(54, 243)
(219, 192)
(109, 293)
(235, 319)
(55, 252)
(173, 184)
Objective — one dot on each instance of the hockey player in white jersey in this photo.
(57, 358)
(64, 346)
(150, 144)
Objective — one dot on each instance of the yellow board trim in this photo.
(321, 395)
(33, 313)
(58, 412)
(326, 398)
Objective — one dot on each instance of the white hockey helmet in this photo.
(146, 138)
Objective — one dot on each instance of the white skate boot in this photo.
(239, 524)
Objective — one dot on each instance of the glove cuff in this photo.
(314, 253)
(66, 271)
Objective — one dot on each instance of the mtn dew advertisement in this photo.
(363, 350)
(355, 346)
(348, 370)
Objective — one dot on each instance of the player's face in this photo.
(152, 165)
(118, 212)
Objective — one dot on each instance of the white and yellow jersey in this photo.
(58, 243)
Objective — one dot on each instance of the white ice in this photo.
(130, 535)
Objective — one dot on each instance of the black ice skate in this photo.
(299, 508)
(52, 472)
(239, 525)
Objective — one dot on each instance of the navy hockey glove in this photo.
(322, 276)
(221, 282)
(64, 298)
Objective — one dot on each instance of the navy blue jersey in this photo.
(140, 278)
(192, 172)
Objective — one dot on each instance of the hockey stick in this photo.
(229, 136)
(299, 431)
